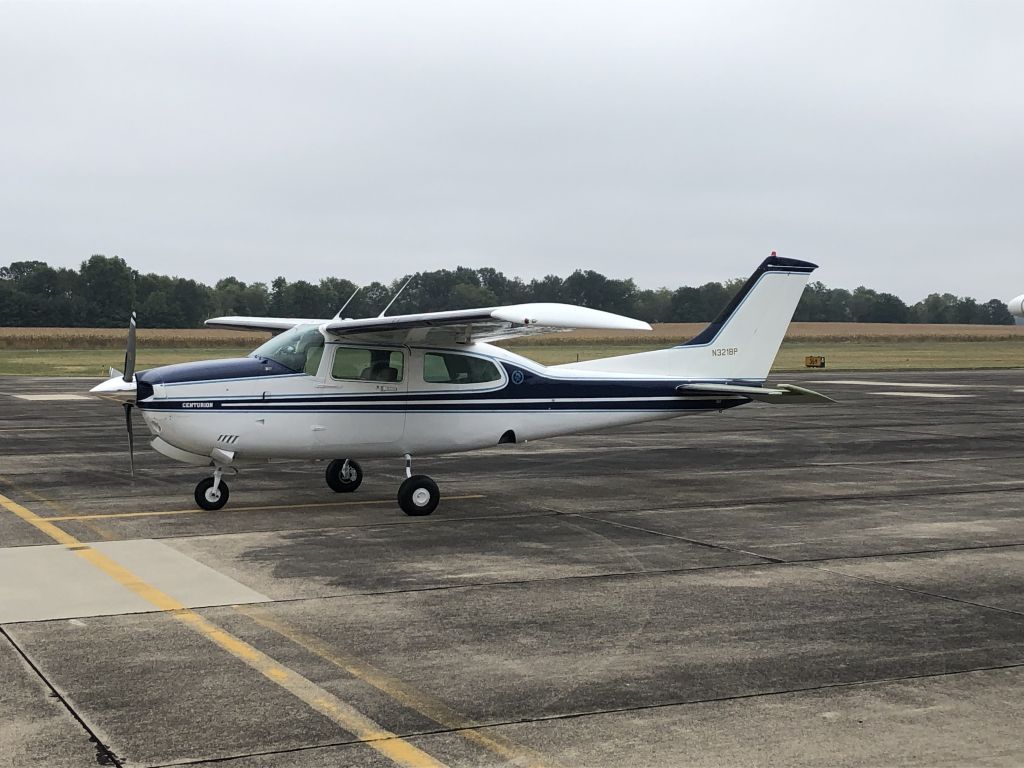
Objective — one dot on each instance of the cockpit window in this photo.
(299, 349)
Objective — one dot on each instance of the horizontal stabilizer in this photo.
(779, 393)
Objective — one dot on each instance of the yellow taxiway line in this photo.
(363, 728)
(99, 530)
(399, 691)
(106, 516)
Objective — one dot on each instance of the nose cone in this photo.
(116, 388)
(1016, 306)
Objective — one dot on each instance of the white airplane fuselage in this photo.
(252, 409)
(346, 389)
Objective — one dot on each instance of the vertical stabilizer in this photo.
(739, 344)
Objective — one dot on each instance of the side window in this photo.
(448, 368)
(313, 358)
(368, 364)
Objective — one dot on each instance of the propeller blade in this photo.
(129, 353)
(131, 435)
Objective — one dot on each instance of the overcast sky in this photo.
(670, 142)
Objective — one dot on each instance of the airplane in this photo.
(1016, 307)
(345, 390)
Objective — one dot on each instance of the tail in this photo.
(740, 344)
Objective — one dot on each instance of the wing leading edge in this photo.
(237, 323)
(486, 324)
(489, 323)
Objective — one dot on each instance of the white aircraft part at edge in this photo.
(1016, 306)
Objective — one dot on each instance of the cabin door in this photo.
(369, 385)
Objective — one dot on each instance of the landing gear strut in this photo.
(344, 475)
(212, 493)
(418, 494)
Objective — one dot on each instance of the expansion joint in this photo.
(104, 754)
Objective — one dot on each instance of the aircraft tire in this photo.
(207, 499)
(337, 482)
(418, 495)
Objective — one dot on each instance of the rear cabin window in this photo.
(368, 364)
(444, 368)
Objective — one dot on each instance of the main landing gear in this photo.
(344, 475)
(418, 495)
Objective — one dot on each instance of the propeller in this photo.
(131, 435)
(129, 375)
(129, 353)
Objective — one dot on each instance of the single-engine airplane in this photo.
(398, 386)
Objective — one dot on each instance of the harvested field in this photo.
(866, 355)
(97, 362)
(675, 333)
(663, 334)
(845, 346)
(901, 332)
(114, 338)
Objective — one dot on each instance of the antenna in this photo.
(338, 316)
(395, 297)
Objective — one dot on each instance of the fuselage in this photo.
(375, 400)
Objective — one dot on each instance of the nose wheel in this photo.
(212, 493)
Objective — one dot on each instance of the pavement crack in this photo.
(903, 553)
(104, 754)
(611, 711)
(697, 542)
(914, 591)
(759, 694)
(343, 526)
(265, 753)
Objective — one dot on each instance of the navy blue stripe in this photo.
(527, 389)
(709, 403)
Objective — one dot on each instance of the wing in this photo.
(259, 323)
(488, 324)
(780, 393)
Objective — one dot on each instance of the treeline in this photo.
(103, 291)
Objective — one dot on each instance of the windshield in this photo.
(299, 349)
